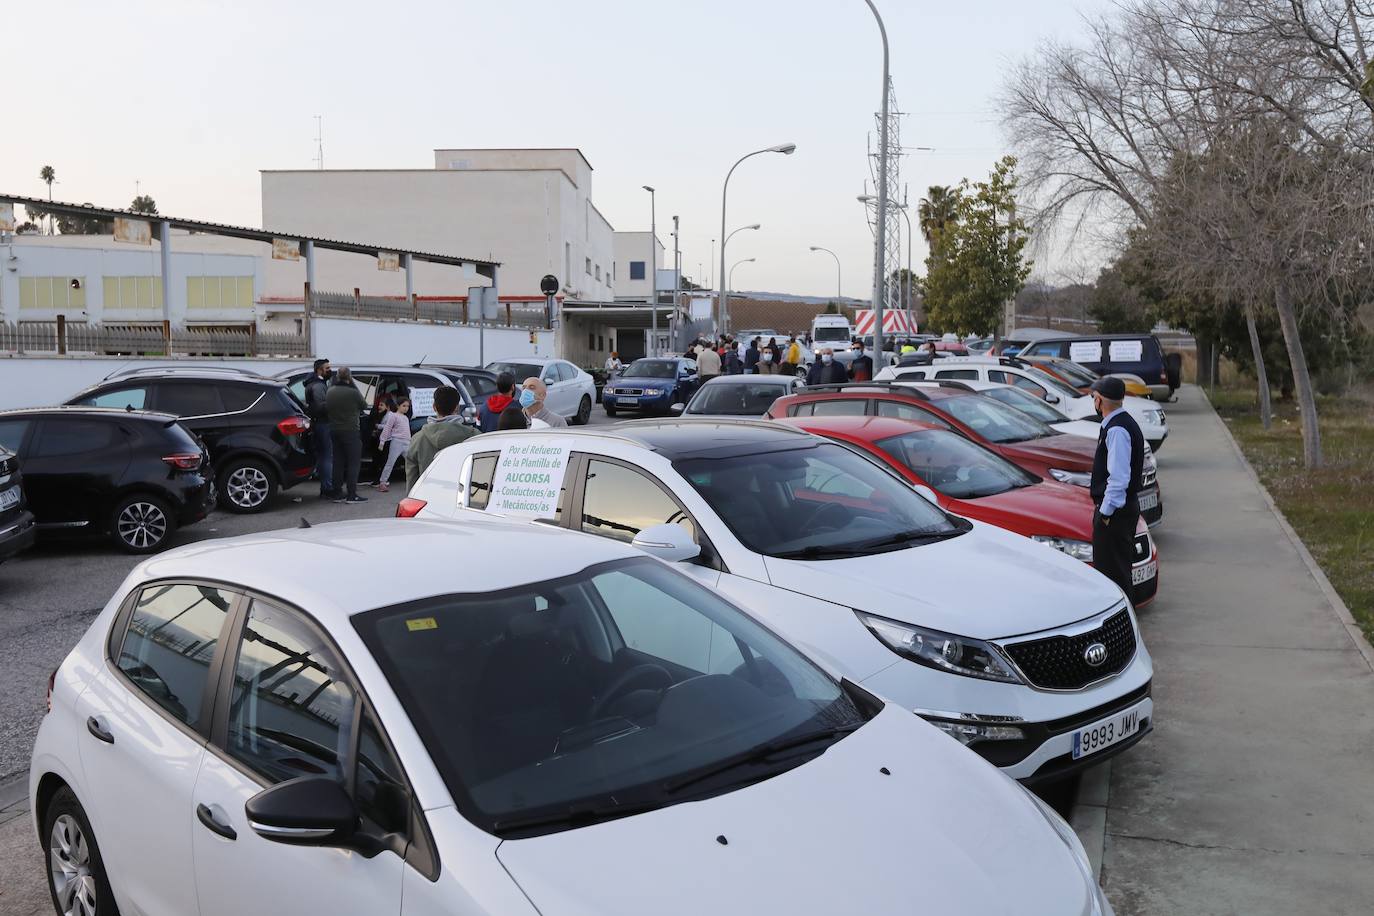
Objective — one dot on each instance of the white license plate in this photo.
(628, 401)
(1148, 500)
(9, 498)
(1144, 573)
(1102, 735)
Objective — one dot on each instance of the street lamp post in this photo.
(653, 270)
(737, 264)
(673, 323)
(839, 286)
(906, 298)
(728, 283)
(786, 149)
(880, 239)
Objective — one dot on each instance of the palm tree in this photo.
(936, 213)
(48, 175)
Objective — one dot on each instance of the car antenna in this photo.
(304, 523)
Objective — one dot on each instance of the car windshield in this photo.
(820, 502)
(1076, 374)
(520, 371)
(953, 465)
(1054, 384)
(831, 335)
(1027, 403)
(619, 689)
(651, 368)
(736, 399)
(994, 421)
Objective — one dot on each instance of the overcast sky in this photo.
(191, 98)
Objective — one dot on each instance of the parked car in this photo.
(17, 530)
(740, 395)
(843, 558)
(651, 385)
(571, 391)
(593, 733)
(132, 475)
(476, 384)
(974, 482)
(256, 431)
(1022, 440)
(1036, 408)
(1108, 354)
(1081, 378)
(1147, 414)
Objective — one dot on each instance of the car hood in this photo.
(1073, 453)
(896, 818)
(1083, 429)
(986, 584)
(1048, 507)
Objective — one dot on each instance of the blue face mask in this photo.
(527, 398)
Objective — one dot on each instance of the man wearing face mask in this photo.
(532, 396)
(825, 371)
(316, 387)
(861, 367)
(1115, 487)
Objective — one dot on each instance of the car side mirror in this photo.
(678, 408)
(1052, 398)
(306, 811)
(667, 542)
(927, 493)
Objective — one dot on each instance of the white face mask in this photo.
(826, 357)
(768, 357)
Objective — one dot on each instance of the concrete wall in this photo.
(634, 246)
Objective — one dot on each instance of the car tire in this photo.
(584, 412)
(141, 524)
(610, 411)
(246, 485)
(76, 873)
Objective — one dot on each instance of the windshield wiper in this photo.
(911, 537)
(759, 754)
(575, 816)
(817, 552)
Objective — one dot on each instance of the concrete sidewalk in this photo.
(1255, 794)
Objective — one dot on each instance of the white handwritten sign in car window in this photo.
(529, 478)
(1085, 351)
(1125, 351)
(422, 402)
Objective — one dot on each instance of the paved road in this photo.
(1254, 795)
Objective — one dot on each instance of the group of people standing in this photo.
(336, 407)
(728, 356)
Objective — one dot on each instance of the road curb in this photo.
(1347, 620)
(1088, 815)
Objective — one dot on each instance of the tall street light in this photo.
(726, 286)
(880, 237)
(786, 149)
(653, 270)
(839, 286)
(737, 264)
(906, 301)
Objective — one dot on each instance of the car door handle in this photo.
(94, 726)
(207, 817)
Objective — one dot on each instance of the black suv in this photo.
(130, 474)
(16, 521)
(256, 431)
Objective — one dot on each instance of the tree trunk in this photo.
(1204, 362)
(1261, 373)
(1302, 382)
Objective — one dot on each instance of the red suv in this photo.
(972, 481)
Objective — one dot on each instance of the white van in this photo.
(831, 331)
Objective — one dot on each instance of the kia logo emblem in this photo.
(1095, 655)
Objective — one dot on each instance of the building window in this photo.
(125, 293)
(636, 270)
(567, 265)
(47, 293)
(219, 293)
(589, 267)
(600, 344)
(591, 341)
(598, 273)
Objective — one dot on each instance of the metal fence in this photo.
(434, 311)
(147, 340)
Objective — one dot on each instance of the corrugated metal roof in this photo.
(242, 232)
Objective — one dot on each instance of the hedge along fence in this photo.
(62, 338)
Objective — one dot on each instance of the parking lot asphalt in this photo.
(1254, 794)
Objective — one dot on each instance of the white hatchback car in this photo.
(1031, 658)
(528, 721)
(572, 392)
(1011, 371)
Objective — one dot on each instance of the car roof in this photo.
(907, 389)
(780, 381)
(678, 438)
(465, 370)
(201, 373)
(330, 569)
(1080, 337)
(531, 360)
(98, 412)
(869, 429)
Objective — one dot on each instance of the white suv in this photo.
(1028, 656)
(265, 726)
(1011, 371)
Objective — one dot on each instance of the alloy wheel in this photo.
(69, 860)
(247, 487)
(142, 525)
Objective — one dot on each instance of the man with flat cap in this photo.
(1117, 470)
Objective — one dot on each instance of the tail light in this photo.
(52, 682)
(409, 507)
(184, 462)
(1164, 376)
(294, 426)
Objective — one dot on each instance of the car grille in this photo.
(628, 392)
(1057, 663)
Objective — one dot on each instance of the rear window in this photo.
(520, 371)
(62, 436)
(194, 399)
(239, 397)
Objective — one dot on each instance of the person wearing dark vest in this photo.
(1115, 487)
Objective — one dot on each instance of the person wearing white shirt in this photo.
(613, 364)
(1118, 468)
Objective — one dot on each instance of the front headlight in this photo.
(652, 393)
(941, 651)
(1079, 550)
(1077, 478)
(1154, 417)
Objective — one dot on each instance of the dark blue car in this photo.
(651, 385)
